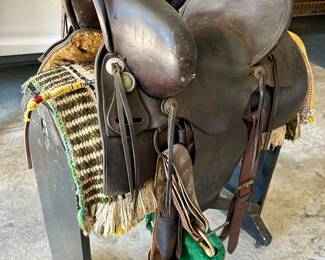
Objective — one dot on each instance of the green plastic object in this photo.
(191, 250)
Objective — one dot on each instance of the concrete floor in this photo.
(294, 210)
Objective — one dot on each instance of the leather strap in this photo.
(242, 195)
(247, 174)
(170, 108)
(274, 107)
(71, 14)
(184, 197)
(123, 108)
(104, 24)
(27, 144)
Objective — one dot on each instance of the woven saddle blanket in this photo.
(75, 115)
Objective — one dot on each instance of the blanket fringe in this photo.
(118, 217)
(277, 137)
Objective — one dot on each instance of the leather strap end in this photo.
(235, 226)
(27, 146)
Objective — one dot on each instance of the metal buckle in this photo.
(218, 228)
(110, 65)
(206, 244)
(246, 184)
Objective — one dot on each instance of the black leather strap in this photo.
(70, 13)
(27, 146)
(104, 24)
(123, 107)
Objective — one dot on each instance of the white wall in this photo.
(28, 26)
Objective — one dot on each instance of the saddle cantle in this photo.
(160, 38)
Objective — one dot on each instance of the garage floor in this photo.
(294, 210)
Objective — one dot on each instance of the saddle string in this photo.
(123, 132)
(261, 87)
(123, 110)
(170, 108)
(27, 144)
(272, 113)
(270, 122)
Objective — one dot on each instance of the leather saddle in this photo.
(203, 57)
(192, 67)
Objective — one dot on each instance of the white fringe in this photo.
(118, 217)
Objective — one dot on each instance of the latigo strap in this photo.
(243, 193)
(250, 161)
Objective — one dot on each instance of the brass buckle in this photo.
(246, 184)
(205, 244)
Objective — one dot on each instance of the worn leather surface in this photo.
(224, 87)
(81, 14)
(252, 28)
(147, 117)
(292, 80)
(158, 45)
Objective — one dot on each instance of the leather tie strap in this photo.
(27, 143)
(34, 103)
(123, 108)
(184, 197)
(274, 107)
(170, 108)
(247, 174)
(242, 195)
